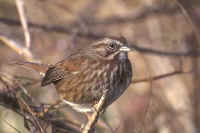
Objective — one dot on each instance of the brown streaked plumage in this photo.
(81, 78)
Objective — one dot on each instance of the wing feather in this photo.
(62, 69)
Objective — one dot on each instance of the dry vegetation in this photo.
(165, 94)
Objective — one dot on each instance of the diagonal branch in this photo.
(23, 51)
(93, 119)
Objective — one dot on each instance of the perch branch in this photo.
(93, 119)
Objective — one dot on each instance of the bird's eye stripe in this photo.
(112, 46)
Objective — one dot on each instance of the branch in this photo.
(20, 9)
(134, 17)
(159, 76)
(26, 107)
(12, 126)
(23, 51)
(93, 119)
(189, 53)
(189, 19)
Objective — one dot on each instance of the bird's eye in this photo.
(112, 46)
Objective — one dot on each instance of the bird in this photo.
(83, 77)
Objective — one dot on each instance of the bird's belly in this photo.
(89, 90)
(81, 89)
(119, 82)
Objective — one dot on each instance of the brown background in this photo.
(164, 96)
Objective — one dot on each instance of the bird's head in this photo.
(111, 48)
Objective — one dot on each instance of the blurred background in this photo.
(165, 93)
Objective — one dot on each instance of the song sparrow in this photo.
(83, 77)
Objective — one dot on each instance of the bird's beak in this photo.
(125, 49)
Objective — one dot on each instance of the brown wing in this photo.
(64, 68)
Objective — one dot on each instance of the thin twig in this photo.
(20, 9)
(189, 19)
(23, 51)
(134, 17)
(93, 119)
(160, 76)
(24, 104)
(17, 130)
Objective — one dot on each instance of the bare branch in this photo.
(23, 51)
(159, 76)
(20, 9)
(33, 114)
(12, 126)
(93, 119)
(189, 19)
